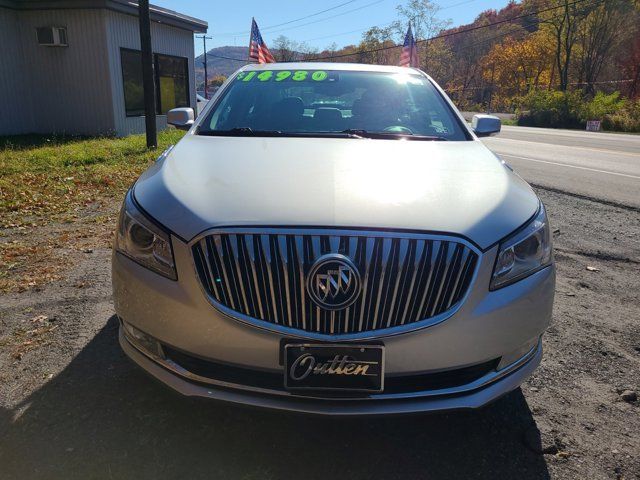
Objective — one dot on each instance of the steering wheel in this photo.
(398, 129)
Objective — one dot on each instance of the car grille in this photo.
(258, 275)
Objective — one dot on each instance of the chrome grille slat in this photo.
(368, 253)
(402, 271)
(432, 257)
(262, 275)
(233, 241)
(266, 253)
(444, 269)
(282, 244)
(454, 288)
(387, 250)
(299, 249)
(418, 252)
(256, 285)
(218, 261)
(209, 278)
(225, 258)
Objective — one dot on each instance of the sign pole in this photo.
(147, 74)
(206, 76)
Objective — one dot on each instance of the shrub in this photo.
(549, 108)
(602, 105)
(627, 119)
(544, 108)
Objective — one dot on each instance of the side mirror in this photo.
(485, 125)
(181, 118)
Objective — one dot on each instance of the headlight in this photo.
(143, 241)
(523, 253)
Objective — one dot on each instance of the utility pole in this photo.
(147, 74)
(206, 76)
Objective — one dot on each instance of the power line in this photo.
(312, 15)
(449, 34)
(327, 18)
(358, 52)
(625, 80)
(381, 25)
(444, 35)
(233, 34)
(538, 87)
(227, 58)
(487, 40)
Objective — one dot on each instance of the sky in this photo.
(230, 21)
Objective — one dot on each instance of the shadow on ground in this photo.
(102, 417)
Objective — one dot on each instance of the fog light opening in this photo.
(142, 341)
(517, 355)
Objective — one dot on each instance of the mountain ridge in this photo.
(216, 65)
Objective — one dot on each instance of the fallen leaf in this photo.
(39, 319)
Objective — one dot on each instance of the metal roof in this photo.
(158, 14)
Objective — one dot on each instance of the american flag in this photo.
(409, 54)
(257, 48)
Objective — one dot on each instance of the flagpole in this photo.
(253, 20)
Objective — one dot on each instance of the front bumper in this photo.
(185, 383)
(488, 326)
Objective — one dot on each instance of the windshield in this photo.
(326, 102)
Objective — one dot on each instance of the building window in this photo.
(171, 82)
(172, 78)
(132, 80)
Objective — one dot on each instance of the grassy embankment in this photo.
(59, 194)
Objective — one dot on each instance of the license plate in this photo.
(358, 368)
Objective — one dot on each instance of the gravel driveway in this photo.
(72, 405)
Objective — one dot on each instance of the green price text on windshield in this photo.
(282, 75)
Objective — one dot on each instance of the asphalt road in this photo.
(602, 166)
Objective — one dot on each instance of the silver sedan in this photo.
(333, 238)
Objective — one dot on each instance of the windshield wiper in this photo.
(355, 132)
(242, 132)
(348, 133)
(249, 132)
(409, 136)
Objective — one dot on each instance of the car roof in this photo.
(354, 67)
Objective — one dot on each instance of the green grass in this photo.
(45, 176)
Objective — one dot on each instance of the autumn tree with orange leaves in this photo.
(513, 67)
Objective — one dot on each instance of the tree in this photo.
(284, 49)
(436, 58)
(513, 68)
(373, 44)
(601, 32)
(463, 70)
(217, 81)
(563, 24)
(629, 65)
(423, 16)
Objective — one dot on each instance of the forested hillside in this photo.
(557, 62)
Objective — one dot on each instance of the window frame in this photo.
(156, 81)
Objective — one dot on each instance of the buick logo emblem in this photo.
(333, 282)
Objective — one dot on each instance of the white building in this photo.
(73, 66)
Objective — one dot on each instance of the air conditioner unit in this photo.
(52, 36)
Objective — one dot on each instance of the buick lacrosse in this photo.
(333, 238)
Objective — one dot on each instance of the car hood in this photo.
(451, 187)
